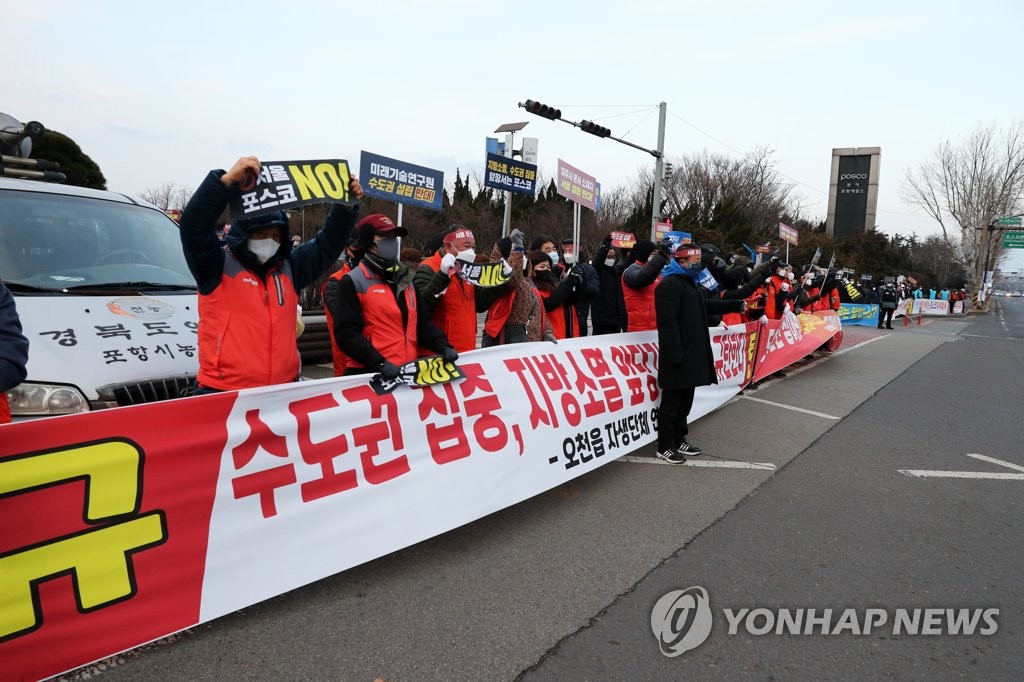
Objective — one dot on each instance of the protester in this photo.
(377, 313)
(13, 350)
(778, 291)
(248, 290)
(639, 280)
(605, 308)
(590, 287)
(518, 314)
(329, 290)
(559, 297)
(686, 359)
(452, 301)
(547, 245)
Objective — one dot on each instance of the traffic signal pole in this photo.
(535, 107)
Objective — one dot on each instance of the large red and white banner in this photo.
(783, 342)
(123, 526)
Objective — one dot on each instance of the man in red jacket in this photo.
(248, 288)
(378, 321)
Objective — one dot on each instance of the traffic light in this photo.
(594, 129)
(535, 107)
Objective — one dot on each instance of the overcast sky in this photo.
(157, 92)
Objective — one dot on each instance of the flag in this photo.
(817, 256)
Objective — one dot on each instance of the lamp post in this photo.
(510, 129)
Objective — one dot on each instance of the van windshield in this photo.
(53, 241)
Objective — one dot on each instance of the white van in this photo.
(104, 295)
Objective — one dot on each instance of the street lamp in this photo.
(510, 129)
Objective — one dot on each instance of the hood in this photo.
(238, 235)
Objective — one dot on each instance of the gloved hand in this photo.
(665, 247)
(575, 275)
(448, 263)
(773, 264)
(450, 354)
(389, 370)
(548, 336)
(506, 269)
(518, 239)
(763, 300)
(607, 243)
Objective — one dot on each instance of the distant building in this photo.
(853, 191)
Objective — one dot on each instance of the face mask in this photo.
(545, 276)
(610, 262)
(263, 249)
(387, 249)
(693, 268)
(569, 258)
(790, 276)
(467, 256)
(554, 257)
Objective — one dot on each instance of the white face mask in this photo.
(610, 262)
(468, 256)
(263, 249)
(569, 258)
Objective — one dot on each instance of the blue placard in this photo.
(510, 175)
(401, 182)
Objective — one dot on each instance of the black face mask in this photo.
(544, 276)
(388, 269)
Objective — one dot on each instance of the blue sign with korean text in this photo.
(510, 175)
(401, 182)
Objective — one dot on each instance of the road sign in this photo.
(1016, 221)
(1013, 240)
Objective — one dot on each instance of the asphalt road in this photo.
(562, 585)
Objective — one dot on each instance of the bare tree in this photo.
(965, 186)
(167, 195)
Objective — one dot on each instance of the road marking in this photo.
(792, 407)
(1002, 476)
(706, 463)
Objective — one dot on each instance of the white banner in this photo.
(930, 306)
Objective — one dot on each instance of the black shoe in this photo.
(670, 456)
(888, 327)
(879, 326)
(689, 450)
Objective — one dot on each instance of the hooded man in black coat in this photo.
(685, 357)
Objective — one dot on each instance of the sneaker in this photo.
(670, 456)
(687, 449)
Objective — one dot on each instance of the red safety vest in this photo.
(557, 317)
(382, 318)
(340, 359)
(247, 329)
(455, 313)
(640, 315)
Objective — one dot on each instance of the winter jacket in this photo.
(244, 340)
(638, 284)
(604, 308)
(685, 355)
(329, 291)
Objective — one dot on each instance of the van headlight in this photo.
(36, 400)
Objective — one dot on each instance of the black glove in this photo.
(763, 300)
(665, 247)
(575, 275)
(773, 264)
(389, 370)
(450, 354)
(607, 243)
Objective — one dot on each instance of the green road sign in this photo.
(1013, 240)
(1017, 221)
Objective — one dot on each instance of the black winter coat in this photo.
(685, 356)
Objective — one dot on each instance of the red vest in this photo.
(640, 315)
(774, 287)
(247, 329)
(382, 318)
(5, 409)
(455, 313)
(557, 317)
(340, 359)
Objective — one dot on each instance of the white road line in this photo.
(1001, 476)
(707, 463)
(925, 473)
(993, 460)
(792, 407)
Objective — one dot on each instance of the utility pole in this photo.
(659, 169)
